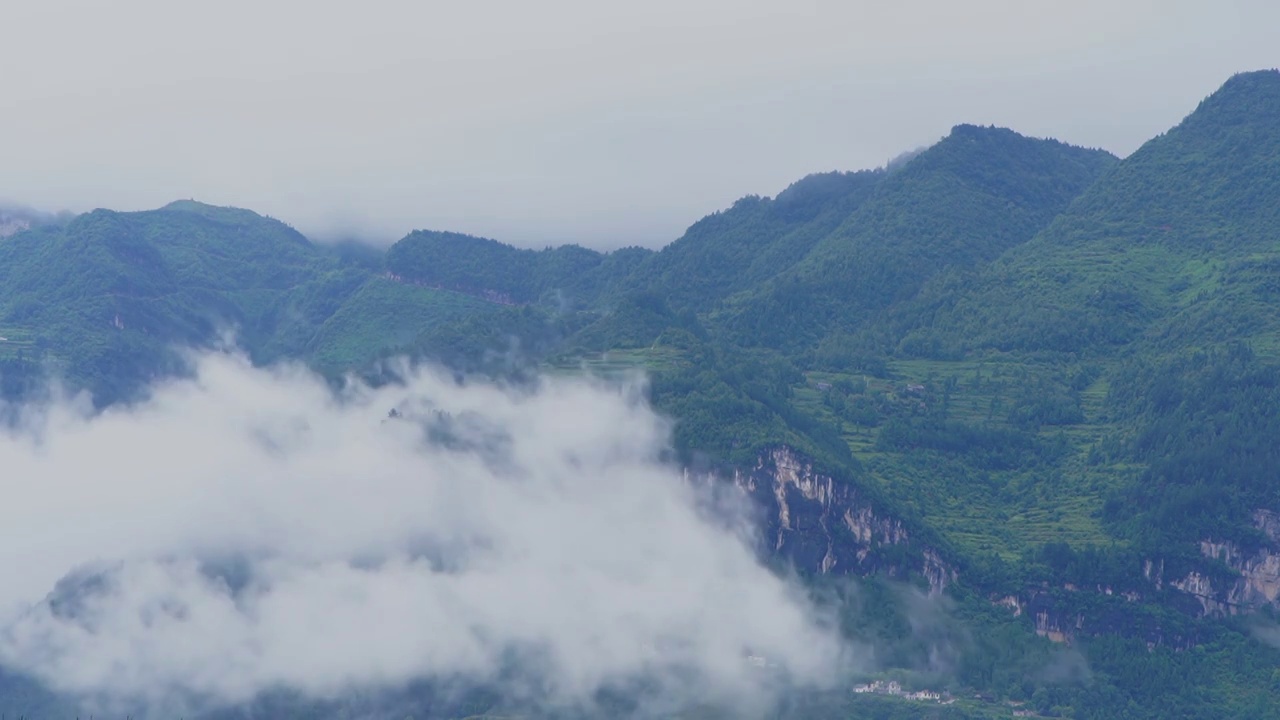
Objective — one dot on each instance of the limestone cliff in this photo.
(1229, 581)
(824, 526)
(827, 527)
(1255, 580)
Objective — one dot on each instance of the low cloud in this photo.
(15, 217)
(248, 530)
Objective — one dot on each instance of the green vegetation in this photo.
(1059, 367)
(566, 275)
(106, 298)
(381, 313)
(956, 206)
(751, 242)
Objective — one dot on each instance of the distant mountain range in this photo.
(1057, 368)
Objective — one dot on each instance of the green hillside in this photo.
(1175, 242)
(1035, 311)
(1057, 367)
(751, 242)
(101, 294)
(958, 205)
(568, 275)
(1152, 288)
(103, 300)
(1062, 376)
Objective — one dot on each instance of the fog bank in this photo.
(248, 529)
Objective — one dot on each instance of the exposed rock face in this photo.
(1062, 614)
(826, 527)
(1238, 581)
(1258, 582)
(1013, 602)
(1053, 628)
(1153, 570)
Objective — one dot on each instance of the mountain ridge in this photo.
(1055, 369)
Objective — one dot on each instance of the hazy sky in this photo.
(566, 120)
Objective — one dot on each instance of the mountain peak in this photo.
(218, 213)
(1267, 80)
(1245, 98)
(987, 156)
(190, 205)
(998, 135)
(971, 130)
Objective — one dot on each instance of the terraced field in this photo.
(616, 363)
(1002, 511)
(980, 509)
(15, 342)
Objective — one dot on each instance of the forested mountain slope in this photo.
(752, 241)
(565, 276)
(1088, 406)
(1182, 228)
(1157, 286)
(958, 205)
(1056, 369)
(103, 300)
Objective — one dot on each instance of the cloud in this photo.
(249, 529)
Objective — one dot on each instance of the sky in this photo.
(247, 529)
(604, 124)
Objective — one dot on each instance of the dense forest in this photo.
(1059, 366)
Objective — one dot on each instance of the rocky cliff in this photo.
(824, 526)
(1229, 580)
(1254, 575)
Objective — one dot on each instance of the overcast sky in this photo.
(566, 120)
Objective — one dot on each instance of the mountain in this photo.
(104, 300)
(14, 219)
(1190, 214)
(568, 275)
(958, 205)
(1160, 278)
(752, 241)
(100, 293)
(1068, 378)
(1034, 378)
